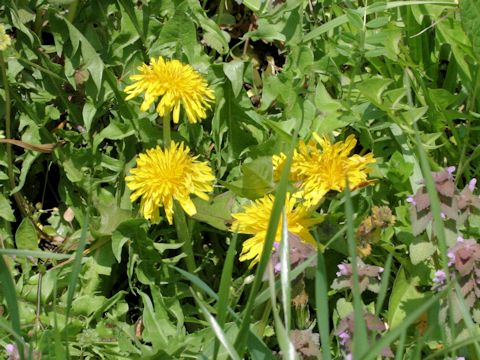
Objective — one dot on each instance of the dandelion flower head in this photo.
(5, 40)
(162, 176)
(321, 170)
(176, 84)
(254, 219)
(298, 156)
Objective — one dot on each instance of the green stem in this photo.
(8, 124)
(179, 218)
(166, 131)
(183, 234)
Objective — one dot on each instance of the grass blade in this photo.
(321, 303)
(360, 340)
(76, 267)
(383, 285)
(12, 304)
(224, 290)
(343, 19)
(285, 273)
(34, 253)
(216, 328)
(286, 346)
(390, 337)
(280, 196)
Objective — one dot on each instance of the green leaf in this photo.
(234, 72)
(26, 236)
(6, 210)
(155, 328)
(257, 179)
(404, 298)
(216, 212)
(470, 15)
(8, 288)
(373, 89)
(93, 62)
(421, 250)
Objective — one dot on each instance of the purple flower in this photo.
(472, 184)
(451, 169)
(10, 348)
(411, 200)
(440, 277)
(344, 337)
(343, 270)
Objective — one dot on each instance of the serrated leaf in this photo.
(6, 211)
(217, 212)
(404, 298)
(420, 251)
(470, 15)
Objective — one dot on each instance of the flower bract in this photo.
(162, 176)
(176, 85)
(254, 220)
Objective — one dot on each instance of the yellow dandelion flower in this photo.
(176, 84)
(327, 169)
(299, 154)
(162, 176)
(5, 40)
(255, 218)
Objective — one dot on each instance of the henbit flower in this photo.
(162, 176)
(320, 170)
(254, 220)
(176, 84)
(440, 277)
(5, 40)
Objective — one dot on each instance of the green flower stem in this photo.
(166, 131)
(8, 124)
(179, 218)
(184, 236)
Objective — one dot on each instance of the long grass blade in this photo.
(321, 302)
(360, 340)
(280, 195)
(286, 346)
(382, 293)
(76, 267)
(343, 19)
(391, 336)
(285, 273)
(216, 328)
(224, 290)
(35, 254)
(12, 304)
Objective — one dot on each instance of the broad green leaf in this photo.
(373, 89)
(234, 72)
(92, 60)
(404, 298)
(421, 250)
(215, 212)
(470, 14)
(6, 210)
(257, 179)
(26, 236)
